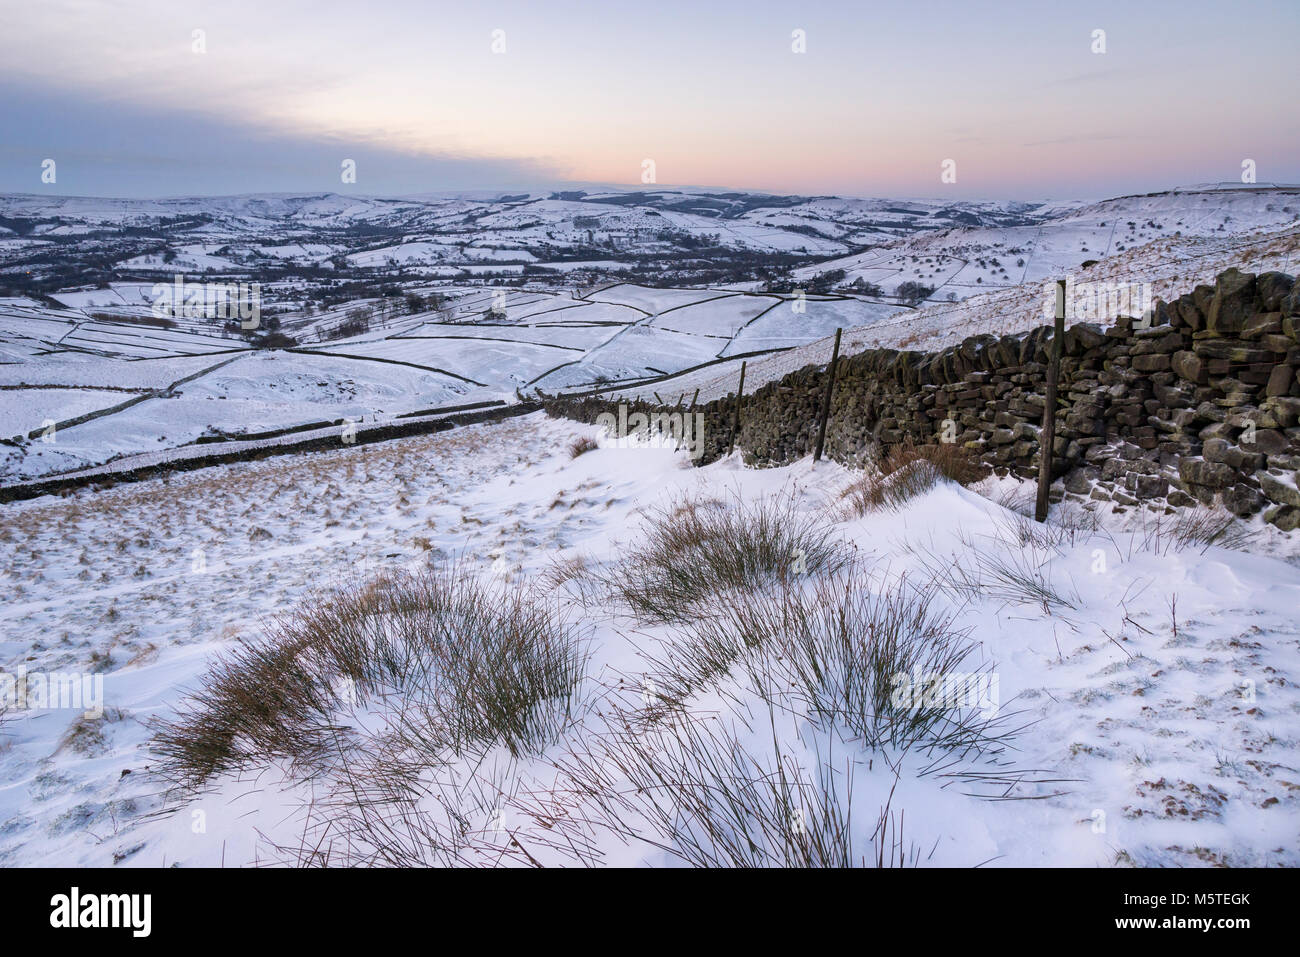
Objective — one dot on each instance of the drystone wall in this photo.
(1198, 402)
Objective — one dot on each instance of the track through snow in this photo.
(1156, 734)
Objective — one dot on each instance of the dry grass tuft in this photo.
(843, 649)
(470, 664)
(700, 549)
(582, 445)
(907, 471)
(703, 793)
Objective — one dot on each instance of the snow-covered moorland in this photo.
(647, 667)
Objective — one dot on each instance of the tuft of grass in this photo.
(1197, 529)
(874, 491)
(1011, 565)
(471, 664)
(1067, 527)
(849, 653)
(1017, 575)
(703, 548)
(1200, 528)
(950, 460)
(560, 571)
(381, 813)
(256, 701)
(704, 793)
(582, 445)
(1019, 498)
(907, 471)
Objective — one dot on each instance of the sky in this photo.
(129, 100)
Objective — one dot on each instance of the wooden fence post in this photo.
(735, 418)
(826, 399)
(1047, 438)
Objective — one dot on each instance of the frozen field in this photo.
(22, 410)
(484, 344)
(487, 343)
(256, 392)
(969, 261)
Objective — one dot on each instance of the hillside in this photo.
(1122, 735)
(340, 595)
(88, 371)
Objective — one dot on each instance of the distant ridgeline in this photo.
(1198, 403)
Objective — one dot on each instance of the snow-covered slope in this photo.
(1157, 708)
(1170, 268)
(961, 262)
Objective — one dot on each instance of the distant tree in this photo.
(913, 293)
(355, 322)
(825, 281)
(274, 340)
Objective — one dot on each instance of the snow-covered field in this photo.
(248, 393)
(24, 410)
(967, 261)
(1156, 703)
(367, 351)
(482, 345)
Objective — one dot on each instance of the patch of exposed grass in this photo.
(907, 471)
(582, 445)
(471, 664)
(1196, 529)
(849, 652)
(703, 548)
(702, 792)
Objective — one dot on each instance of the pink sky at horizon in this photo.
(1016, 94)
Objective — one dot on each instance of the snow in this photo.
(1155, 689)
(723, 317)
(1160, 713)
(500, 339)
(257, 392)
(650, 301)
(1171, 267)
(784, 327)
(22, 410)
(480, 360)
(73, 368)
(966, 261)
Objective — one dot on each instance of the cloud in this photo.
(103, 148)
